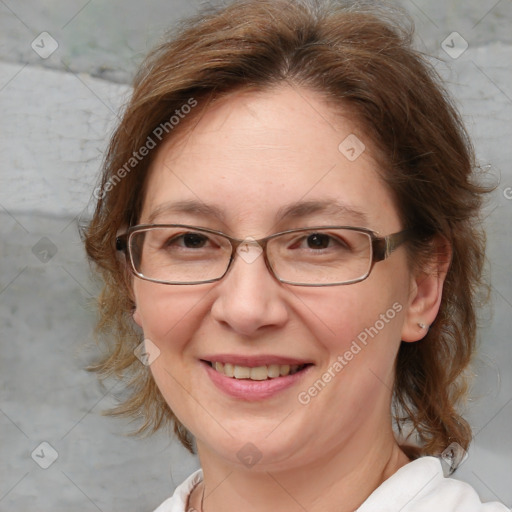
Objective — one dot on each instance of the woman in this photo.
(287, 213)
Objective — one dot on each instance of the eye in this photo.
(193, 240)
(187, 241)
(318, 241)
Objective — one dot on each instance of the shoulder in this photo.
(420, 486)
(178, 501)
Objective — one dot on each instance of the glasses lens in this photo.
(179, 254)
(321, 256)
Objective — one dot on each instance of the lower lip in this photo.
(247, 389)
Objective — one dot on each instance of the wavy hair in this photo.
(355, 55)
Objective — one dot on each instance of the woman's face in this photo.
(249, 158)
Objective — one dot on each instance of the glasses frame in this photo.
(381, 249)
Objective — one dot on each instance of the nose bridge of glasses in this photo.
(249, 249)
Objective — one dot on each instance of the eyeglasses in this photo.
(314, 256)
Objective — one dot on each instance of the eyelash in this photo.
(179, 240)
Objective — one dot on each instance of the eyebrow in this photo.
(297, 210)
(191, 207)
(302, 209)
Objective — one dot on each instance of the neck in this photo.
(340, 481)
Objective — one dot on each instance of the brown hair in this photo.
(354, 56)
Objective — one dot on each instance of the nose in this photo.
(249, 299)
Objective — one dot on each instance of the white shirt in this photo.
(419, 486)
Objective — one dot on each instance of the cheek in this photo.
(344, 315)
(361, 322)
(169, 315)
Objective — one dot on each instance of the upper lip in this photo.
(253, 361)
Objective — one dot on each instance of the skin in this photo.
(249, 155)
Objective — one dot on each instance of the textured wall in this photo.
(57, 111)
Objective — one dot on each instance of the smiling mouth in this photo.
(271, 371)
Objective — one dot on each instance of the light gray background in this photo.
(56, 114)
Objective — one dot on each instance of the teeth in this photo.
(229, 370)
(284, 369)
(273, 370)
(242, 372)
(258, 372)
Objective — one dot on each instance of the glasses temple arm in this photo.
(121, 243)
(383, 247)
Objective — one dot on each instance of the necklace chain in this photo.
(192, 509)
(202, 499)
(201, 509)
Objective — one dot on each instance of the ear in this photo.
(135, 312)
(136, 317)
(426, 291)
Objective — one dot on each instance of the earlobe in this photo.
(136, 316)
(426, 293)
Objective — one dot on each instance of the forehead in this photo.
(253, 154)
